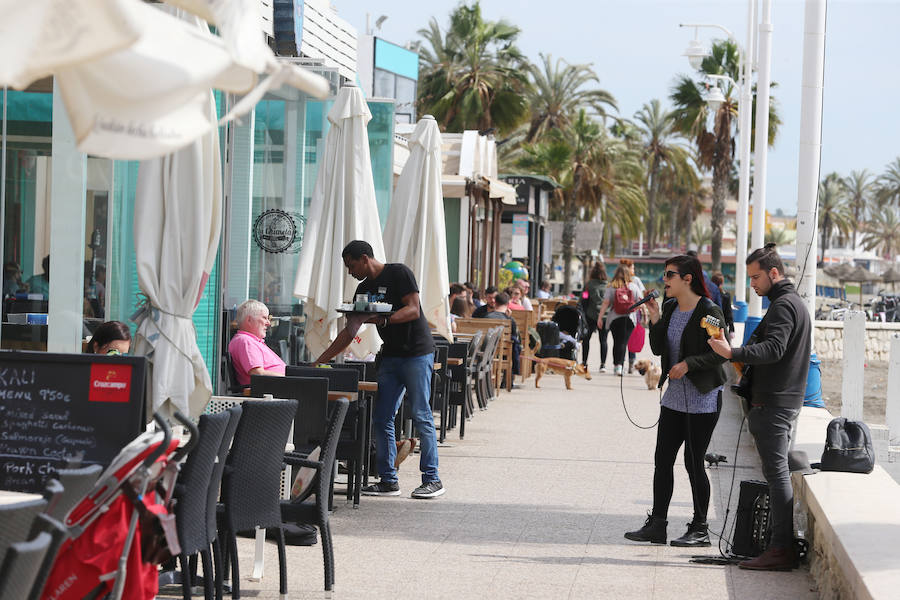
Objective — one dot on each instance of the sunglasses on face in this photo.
(670, 274)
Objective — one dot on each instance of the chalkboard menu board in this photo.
(55, 407)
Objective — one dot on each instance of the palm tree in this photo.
(661, 154)
(598, 175)
(834, 211)
(883, 231)
(780, 236)
(701, 235)
(473, 76)
(859, 186)
(559, 90)
(888, 185)
(715, 146)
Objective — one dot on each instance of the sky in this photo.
(636, 46)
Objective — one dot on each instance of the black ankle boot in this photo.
(696, 536)
(654, 531)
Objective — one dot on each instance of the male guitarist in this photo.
(779, 357)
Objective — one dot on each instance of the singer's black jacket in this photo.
(704, 366)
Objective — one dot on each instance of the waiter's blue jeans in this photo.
(412, 375)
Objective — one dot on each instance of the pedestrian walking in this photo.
(591, 301)
(620, 294)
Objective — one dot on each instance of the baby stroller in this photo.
(561, 336)
(124, 527)
(571, 323)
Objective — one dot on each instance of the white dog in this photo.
(651, 372)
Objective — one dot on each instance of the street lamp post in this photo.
(695, 53)
(762, 140)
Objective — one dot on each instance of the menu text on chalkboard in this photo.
(59, 409)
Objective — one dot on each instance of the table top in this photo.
(454, 362)
(368, 386)
(351, 396)
(8, 497)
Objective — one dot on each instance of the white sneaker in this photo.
(603, 368)
(619, 370)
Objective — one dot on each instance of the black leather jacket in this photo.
(704, 366)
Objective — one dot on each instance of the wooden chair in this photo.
(525, 320)
(503, 357)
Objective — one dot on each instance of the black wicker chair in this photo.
(21, 566)
(44, 523)
(352, 444)
(16, 520)
(212, 499)
(251, 484)
(303, 511)
(192, 492)
(76, 484)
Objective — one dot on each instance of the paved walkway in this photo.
(538, 497)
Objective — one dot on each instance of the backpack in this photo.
(622, 300)
(848, 447)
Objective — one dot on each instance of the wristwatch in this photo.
(387, 321)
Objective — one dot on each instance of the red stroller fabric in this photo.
(82, 561)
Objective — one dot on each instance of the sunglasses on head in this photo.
(670, 274)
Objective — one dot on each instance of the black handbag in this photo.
(848, 447)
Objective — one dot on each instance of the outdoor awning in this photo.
(504, 191)
(453, 186)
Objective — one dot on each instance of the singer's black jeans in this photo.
(621, 329)
(695, 431)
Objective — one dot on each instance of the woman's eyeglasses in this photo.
(670, 274)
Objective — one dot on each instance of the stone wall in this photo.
(829, 342)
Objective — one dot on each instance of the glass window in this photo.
(384, 84)
(406, 100)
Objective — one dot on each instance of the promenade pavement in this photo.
(538, 496)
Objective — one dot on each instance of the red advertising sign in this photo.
(110, 382)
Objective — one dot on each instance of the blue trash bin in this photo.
(813, 396)
(749, 327)
(740, 312)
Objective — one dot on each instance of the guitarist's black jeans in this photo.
(771, 428)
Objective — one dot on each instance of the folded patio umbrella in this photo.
(132, 76)
(415, 233)
(177, 220)
(342, 209)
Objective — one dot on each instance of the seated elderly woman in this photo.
(248, 350)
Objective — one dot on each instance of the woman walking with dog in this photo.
(692, 402)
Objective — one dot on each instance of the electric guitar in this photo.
(713, 327)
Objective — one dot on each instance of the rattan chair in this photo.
(315, 512)
(251, 485)
(21, 565)
(16, 520)
(44, 523)
(192, 493)
(76, 484)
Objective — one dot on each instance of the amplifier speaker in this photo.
(751, 532)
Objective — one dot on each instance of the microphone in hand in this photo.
(653, 294)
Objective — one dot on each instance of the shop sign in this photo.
(276, 231)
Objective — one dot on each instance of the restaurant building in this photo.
(79, 209)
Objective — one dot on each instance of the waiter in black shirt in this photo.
(407, 364)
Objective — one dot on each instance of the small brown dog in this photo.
(559, 365)
(650, 370)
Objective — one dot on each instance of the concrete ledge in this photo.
(853, 522)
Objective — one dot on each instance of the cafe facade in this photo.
(79, 210)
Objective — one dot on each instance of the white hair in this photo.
(250, 308)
